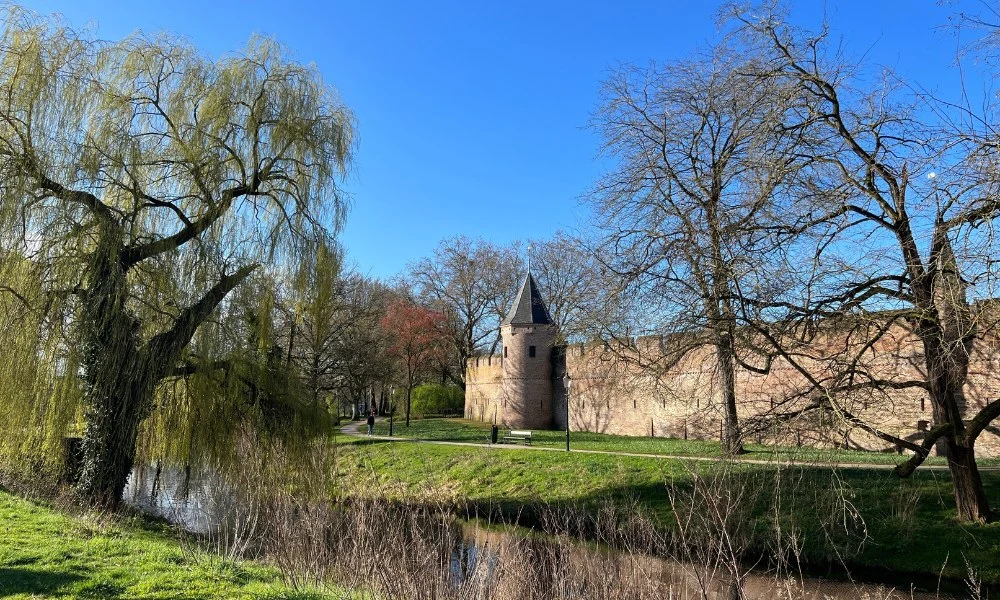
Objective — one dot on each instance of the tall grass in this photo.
(733, 535)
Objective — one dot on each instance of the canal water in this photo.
(495, 559)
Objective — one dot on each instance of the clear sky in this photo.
(473, 115)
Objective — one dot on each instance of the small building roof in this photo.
(528, 308)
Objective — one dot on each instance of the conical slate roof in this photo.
(528, 308)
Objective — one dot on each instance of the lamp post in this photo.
(392, 408)
(567, 383)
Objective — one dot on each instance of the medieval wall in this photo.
(484, 389)
(642, 392)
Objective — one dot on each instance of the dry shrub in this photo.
(282, 507)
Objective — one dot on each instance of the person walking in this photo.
(371, 422)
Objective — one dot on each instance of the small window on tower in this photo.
(531, 351)
(505, 351)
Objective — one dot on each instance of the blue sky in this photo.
(473, 115)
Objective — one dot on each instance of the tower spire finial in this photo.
(529, 257)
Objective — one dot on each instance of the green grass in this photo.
(402, 470)
(882, 521)
(462, 430)
(45, 554)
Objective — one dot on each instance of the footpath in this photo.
(355, 428)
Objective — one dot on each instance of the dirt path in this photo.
(354, 428)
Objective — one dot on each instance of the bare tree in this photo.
(473, 283)
(900, 252)
(686, 210)
(570, 276)
(363, 362)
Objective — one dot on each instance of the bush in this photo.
(434, 398)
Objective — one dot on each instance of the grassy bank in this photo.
(864, 517)
(45, 554)
(476, 432)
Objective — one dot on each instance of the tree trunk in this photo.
(722, 319)
(946, 395)
(117, 397)
(314, 382)
(970, 498)
(109, 442)
(119, 374)
(115, 393)
(291, 345)
(948, 343)
(947, 369)
(409, 390)
(732, 442)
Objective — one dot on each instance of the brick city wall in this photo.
(612, 393)
(484, 389)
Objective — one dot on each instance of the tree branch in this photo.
(981, 421)
(132, 255)
(164, 349)
(62, 192)
(16, 294)
(906, 469)
(189, 368)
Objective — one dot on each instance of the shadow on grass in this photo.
(403, 439)
(365, 442)
(34, 582)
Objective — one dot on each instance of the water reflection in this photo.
(480, 562)
(487, 554)
(184, 497)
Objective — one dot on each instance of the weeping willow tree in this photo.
(34, 362)
(204, 416)
(323, 314)
(140, 183)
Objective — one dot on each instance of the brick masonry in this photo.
(612, 393)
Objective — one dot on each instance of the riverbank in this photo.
(861, 518)
(46, 554)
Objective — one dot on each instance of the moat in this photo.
(485, 557)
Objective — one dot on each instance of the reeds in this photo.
(721, 544)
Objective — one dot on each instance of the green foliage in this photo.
(437, 399)
(201, 418)
(143, 183)
(38, 383)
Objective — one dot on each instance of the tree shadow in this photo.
(376, 442)
(35, 582)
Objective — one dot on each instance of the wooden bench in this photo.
(515, 435)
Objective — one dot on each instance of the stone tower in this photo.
(528, 334)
